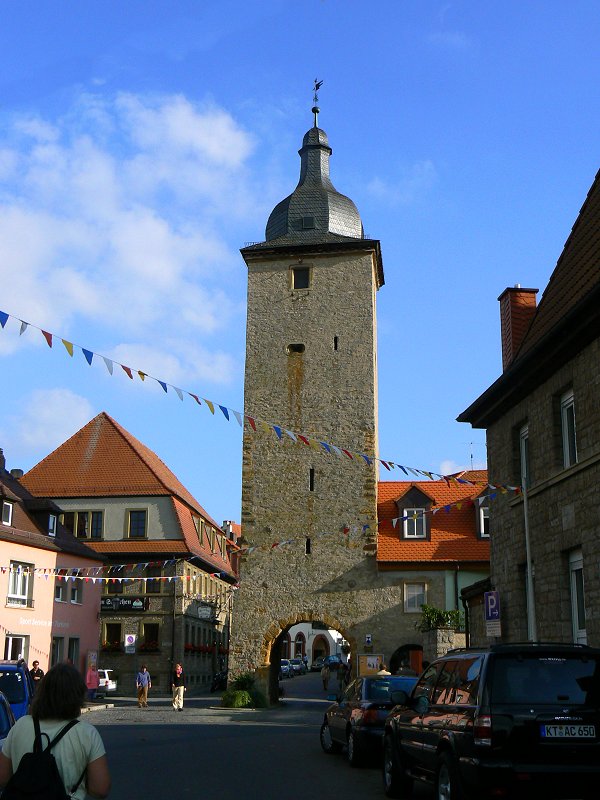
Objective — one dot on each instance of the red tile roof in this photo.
(453, 532)
(104, 460)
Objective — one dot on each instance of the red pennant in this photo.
(304, 439)
(252, 423)
(347, 453)
(48, 338)
(127, 371)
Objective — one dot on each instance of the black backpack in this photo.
(37, 776)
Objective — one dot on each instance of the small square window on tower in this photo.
(308, 223)
(300, 277)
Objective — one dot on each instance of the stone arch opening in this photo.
(278, 633)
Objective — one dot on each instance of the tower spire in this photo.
(315, 108)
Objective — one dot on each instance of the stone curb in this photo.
(101, 707)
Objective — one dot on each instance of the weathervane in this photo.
(315, 108)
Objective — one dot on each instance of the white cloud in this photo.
(412, 184)
(118, 213)
(48, 418)
(450, 467)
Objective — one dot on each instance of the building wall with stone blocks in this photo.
(319, 503)
(564, 504)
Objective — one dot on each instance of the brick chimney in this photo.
(517, 308)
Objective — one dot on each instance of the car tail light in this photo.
(482, 730)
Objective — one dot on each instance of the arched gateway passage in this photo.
(272, 646)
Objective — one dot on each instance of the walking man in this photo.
(325, 675)
(179, 687)
(36, 674)
(143, 683)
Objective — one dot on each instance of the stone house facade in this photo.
(167, 583)
(542, 418)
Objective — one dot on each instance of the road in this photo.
(223, 754)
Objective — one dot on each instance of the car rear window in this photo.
(382, 688)
(546, 679)
(13, 686)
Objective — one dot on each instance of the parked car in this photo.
(334, 662)
(286, 670)
(514, 720)
(357, 719)
(317, 664)
(298, 666)
(7, 718)
(108, 684)
(16, 684)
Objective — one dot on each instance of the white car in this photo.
(107, 685)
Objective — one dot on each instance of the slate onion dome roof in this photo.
(315, 211)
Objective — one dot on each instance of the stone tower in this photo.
(311, 369)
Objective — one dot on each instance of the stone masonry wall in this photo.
(327, 392)
(564, 505)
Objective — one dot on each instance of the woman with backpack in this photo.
(52, 748)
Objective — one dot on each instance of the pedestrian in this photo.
(341, 676)
(36, 674)
(348, 675)
(178, 685)
(325, 676)
(80, 753)
(92, 681)
(143, 683)
(383, 671)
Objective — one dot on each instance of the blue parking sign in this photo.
(492, 606)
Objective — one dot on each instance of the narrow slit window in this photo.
(307, 546)
(335, 342)
(295, 348)
(311, 479)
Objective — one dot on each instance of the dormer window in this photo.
(300, 277)
(51, 524)
(308, 223)
(7, 512)
(414, 523)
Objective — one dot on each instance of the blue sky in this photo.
(143, 143)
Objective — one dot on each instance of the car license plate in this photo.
(568, 731)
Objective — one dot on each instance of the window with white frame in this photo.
(7, 512)
(524, 455)
(15, 647)
(20, 584)
(484, 521)
(415, 596)
(567, 424)
(76, 591)
(51, 524)
(59, 592)
(414, 523)
(577, 597)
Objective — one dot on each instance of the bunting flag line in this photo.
(254, 421)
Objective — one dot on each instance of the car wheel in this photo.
(396, 783)
(354, 750)
(327, 742)
(447, 784)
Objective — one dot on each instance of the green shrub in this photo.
(432, 618)
(235, 698)
(244, 682)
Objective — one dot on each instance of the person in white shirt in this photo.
(80, 754)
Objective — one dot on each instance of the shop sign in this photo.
(118, 604)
